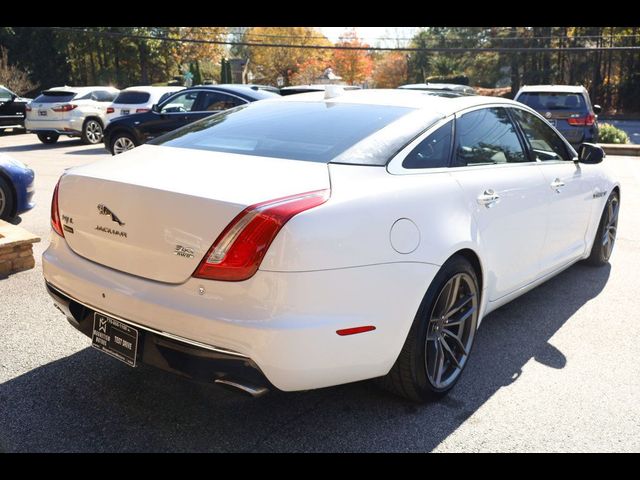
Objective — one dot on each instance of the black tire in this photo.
(92, 132)
(605, 237)
(7, 202)
(48, 138)
(409, 377)
(119, 142)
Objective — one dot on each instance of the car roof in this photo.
(67, 88)
(250, 91)
(456, 87)
(553, 88)
(320, 87)
(152, 88)
(415, 99)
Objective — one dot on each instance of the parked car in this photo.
(304, 242)
(177, 110)
(566, 107)
(12, 109)
(71, 111)
(16, 187)
(295, 89)
(441, 87)
(138, 100)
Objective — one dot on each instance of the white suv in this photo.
(72, 111)
(138, 100)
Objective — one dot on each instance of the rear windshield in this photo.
(132, 97)
(55, 96)
(311, 131)
(553, 101)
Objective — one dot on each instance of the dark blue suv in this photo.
(566, 107)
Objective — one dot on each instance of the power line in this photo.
(345, 47)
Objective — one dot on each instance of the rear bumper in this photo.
(72, 126)
(174, 355)
(285, 322)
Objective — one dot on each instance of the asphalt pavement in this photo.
(555, 370)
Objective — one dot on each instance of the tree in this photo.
(390, 70)
(354, 66)
(13, 77)
(271, 62)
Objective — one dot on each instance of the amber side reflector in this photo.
(353, 331)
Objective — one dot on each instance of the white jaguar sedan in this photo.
(324, 238)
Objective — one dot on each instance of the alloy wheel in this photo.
(93, 131)
(122, 144)
(610, 226)
(452, 326)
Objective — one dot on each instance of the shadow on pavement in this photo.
(43, 146)
(90, 402)
(90, 151)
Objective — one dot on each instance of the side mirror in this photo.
(590, 153)
(597, 109)
(155, 108)
(13, 97)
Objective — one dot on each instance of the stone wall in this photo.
(16, 249)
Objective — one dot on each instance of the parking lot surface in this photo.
(555, 370)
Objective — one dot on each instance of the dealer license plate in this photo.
(124, 112)
(115, 338)
(42, 113)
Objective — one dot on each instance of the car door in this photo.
(12, 111)
(568, 191)
(506, 191)
(172, 113)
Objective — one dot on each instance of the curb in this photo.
(617, 149)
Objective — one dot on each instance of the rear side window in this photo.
(55, 97)
(544, 142)
(104, 96)
(4, 94)
(553, 101)
(311, 131)
(487, 136)
(132, 97)
(213, 101)
(434, 151)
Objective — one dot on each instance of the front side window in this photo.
(180, 103)
(433, 151)
(487, 136)
(214, 101)
(545, 143)
(5, 94)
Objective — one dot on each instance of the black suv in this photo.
(177, 110)
(12, 109)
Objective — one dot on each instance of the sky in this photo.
(374, 36)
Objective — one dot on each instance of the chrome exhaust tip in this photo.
(235, 385)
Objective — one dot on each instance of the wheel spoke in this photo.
(449, 352)
(461, 303)
(439, 363)
(450, 334)
(462, 319)
(453, 293)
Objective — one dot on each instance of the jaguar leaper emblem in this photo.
(104, 210)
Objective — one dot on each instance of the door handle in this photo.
(489, 198)
(557, 184)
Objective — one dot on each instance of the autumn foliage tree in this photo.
(354, 66)
(271, 62)
(390, 70)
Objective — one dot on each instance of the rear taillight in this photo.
(56, 224)
(582, 121)
(110, 110)
(237, 252)
(142, 110)
(67, 107)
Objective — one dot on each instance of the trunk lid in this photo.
(155, 211)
